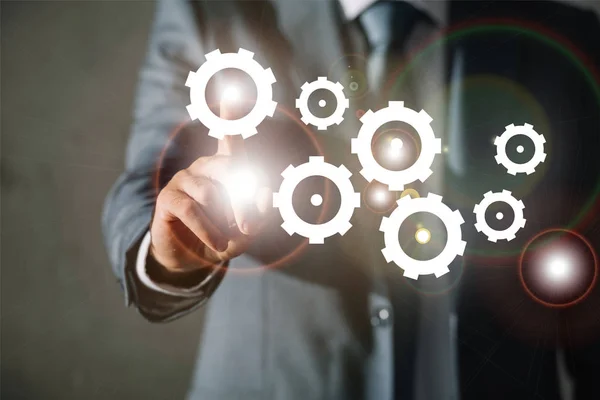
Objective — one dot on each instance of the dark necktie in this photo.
(422, 367)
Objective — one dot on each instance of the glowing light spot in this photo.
(322, 103)
(316, 200)
(242, 186)
(520, 149)
(499, 216)
(445, 149)
(410, 192)
(231, 94)
(559, 268)
(396, 144)
(423, 235)
(353, 86)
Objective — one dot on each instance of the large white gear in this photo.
(538, 156)
(438, 265)
(316, 233)
(481, 224)
(342, 103)
(430, 145)
(200, 110)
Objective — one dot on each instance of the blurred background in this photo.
(68, 74)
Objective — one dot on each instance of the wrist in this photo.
(179, 277)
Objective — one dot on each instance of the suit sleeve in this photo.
(153, 156)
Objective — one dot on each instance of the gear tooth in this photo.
(276, 199)
(270, 108)
(492, 239)
(458, 217)
(395, 186)
(192, 112)
(288, 171)
(339, 86)
(190, 79)
(510, 237)
(543, 157)
(321, 127)
(245, 53)
(396, 104)
(437, 145)
(434, 197)
(354, 145)
(411, 273)
(521, 204)
(298, 103)
(528, 125)
(316, 240)
(425, 174)
(403, 199)
(366, 174)
(506, 192)
(305, 86)
(216, 134)
(476, 208)
(385, 223)
(441, 270)
(346, 103)
(511, 126)
(270, 76)
(289, 228)
(387, 254)
(498, 159)
(344, 228)
(322, 78)
(304, 119)
(523, 222)
(426, 117)
(478, 227)
(338, 120)
(496, 140)
(460, 248)
(488, 193)
(248, 133)
(316, 159)
(344, 171)
(366, 116)
(530, 171)
(542, 138)
(213, 55)
(356, 200)
(511, 171)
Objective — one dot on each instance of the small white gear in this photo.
(430, 145)
(200, 110)
(538, 156)
(481, 224)
(438, 265)
(316, 233)
(342, 103)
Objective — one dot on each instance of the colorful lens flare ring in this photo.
(430, 145)
(539, 156)
(338, 115)
(316, 233)
(509, 233)
(200, 110)
(438, 265)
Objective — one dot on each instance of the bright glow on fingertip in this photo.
(242, 186)
(422, 235)
(231, 93)
(316, 200)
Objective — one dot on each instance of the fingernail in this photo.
(222, 246)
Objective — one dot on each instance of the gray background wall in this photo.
(68, 72)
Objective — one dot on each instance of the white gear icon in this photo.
(342, 103)
(454, 245)
(430, 145)
(538, 157)
(507, 234)
(316, 233)
(199, 108)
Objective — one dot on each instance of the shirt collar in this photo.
(435, 9)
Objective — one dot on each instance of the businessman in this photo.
(287, 320)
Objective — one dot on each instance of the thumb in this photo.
(230, 145)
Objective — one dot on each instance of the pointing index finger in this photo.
(230, 145)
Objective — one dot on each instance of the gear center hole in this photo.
(423, 236)
(322, 103)
(316, 200)
(232, 80)
(499, 215)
